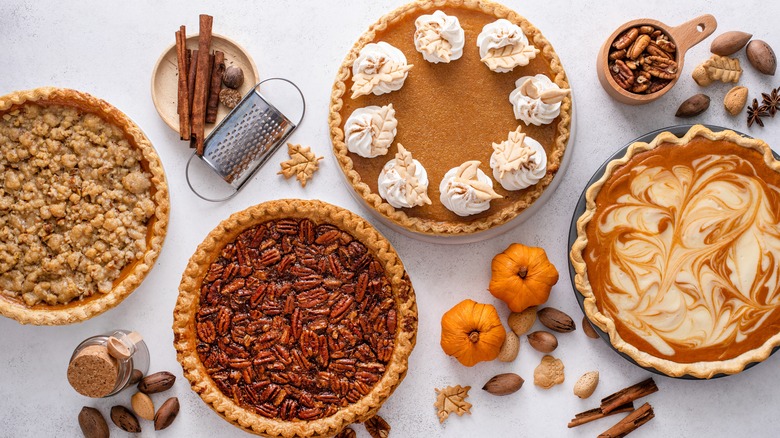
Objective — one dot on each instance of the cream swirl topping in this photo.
(466, 190)
(379, 68)
(403, 182)
(371, 130)
(690, 253)
(503, 46)
(537, 99)
(439, 37)
(518, 162)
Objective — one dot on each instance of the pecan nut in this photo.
(660, 67)
(626, 39)
(622, 74)
(639, 46)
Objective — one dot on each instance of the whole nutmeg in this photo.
(735, 100)
(693, 106)
(233, 77)
(504, 384)
(762, 57)
(229, 97)
(545, 342)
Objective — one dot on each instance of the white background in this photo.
(109, 49)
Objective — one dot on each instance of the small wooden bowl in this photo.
(683, 36)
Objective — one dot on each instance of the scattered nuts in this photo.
(157, 382)
(509, 348)
(586, 384)
(588, 328)
(233, 77)
(347, 432)
(143, 406)
(556, 320)
(504, 384)
(166, 414)
(735, 100)
(762, 57)
(701, 76)
(124, 419)
(521, 322)
(92, 423)
(229, 97)
(729, 43)
(545, 342)
(693, 106)
(549, 372)
(377, 427)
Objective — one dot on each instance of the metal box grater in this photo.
(245, 139)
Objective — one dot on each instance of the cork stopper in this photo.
(93, 372)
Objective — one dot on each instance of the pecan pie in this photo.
(83, 206)
(678, 253)
(295, 318)
(448, 113)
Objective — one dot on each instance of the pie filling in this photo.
(684, 251)
(75, 202)
(296, 320)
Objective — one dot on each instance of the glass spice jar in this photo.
(104, 365)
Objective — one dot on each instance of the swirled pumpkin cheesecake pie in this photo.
(468, 91)
(295, 318)
(83, 206)
(678, 253)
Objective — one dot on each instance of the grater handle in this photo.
(303, 99)
(187, 176)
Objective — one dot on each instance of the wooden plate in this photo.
(165, 77)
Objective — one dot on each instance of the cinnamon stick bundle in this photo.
(201, 83)
(633, 392)
(183, 103)
(217, 70)
(630, 423)
(595, 414)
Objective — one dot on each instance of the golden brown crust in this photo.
(132, 275)
(604, 322)
(427, 226)
(185, 337)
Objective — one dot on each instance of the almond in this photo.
(543, 341)
(588, 328)
(509, 348)
(504, 384)
(143, 406)
(729, 43)
(521, 322)
(556, 320)
(762, 57)
(586, 384)
(693, 106)
(735, 100)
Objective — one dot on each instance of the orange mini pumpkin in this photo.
(522, 277)
(472, 332)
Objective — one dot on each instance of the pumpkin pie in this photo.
(295, 318)
(83, 206)
(448, 80)
(678, 253)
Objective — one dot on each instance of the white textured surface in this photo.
(109, 49)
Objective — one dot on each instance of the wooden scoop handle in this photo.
(693, 32)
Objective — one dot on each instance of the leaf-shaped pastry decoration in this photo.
(554, 95)
(513, 154)
(509, 57)
(467, 176)
(452, 399)
(383, 126)
(428, 39)
(364, 83)
(723, 68)
(302, 163)
(404, 165)
(530, 89)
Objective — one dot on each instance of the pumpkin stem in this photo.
(523, 272)
(474, 336)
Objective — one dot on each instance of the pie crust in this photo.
(131, 275)
(416, 219)
(186, 336)
(707, 368)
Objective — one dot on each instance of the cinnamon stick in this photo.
(595, 414)
(192, 72)
(217, 70)
(201, 83)
(629, 394)
(183, 102)
(630, 423)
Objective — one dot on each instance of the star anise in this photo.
(755, 112)
(771, 101)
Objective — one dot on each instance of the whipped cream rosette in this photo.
(467, 190)
(439, 37)
(379, 68)
(537, 99)
(518, 162)
(503, 46)
(403, 182)
(369, 131)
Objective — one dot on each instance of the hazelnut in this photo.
(233, 77)
(229, 97)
